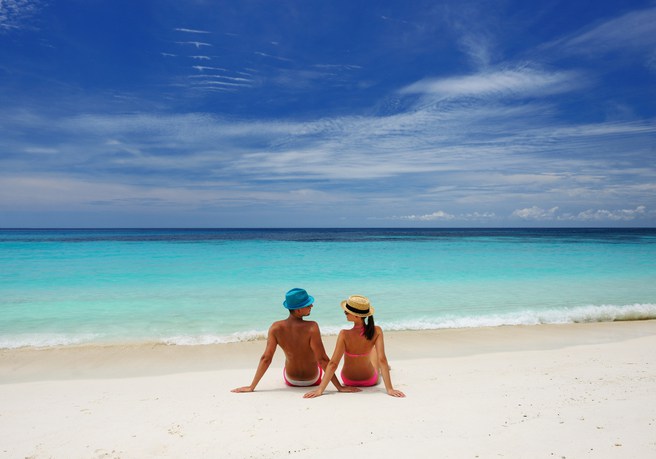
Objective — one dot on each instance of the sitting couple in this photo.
(305, 357)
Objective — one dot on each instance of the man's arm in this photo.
(265, 361)
(322, 358)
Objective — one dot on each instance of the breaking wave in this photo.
(582, 314)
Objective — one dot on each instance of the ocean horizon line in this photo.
(146, 228)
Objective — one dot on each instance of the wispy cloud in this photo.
(338, 66)
(219, 82)
(191, 30)
(520, 82)
(487, 146)
(634, 30)
(202, 68)
(15, 14)
(509, 158)
(42, 192)
(478, 47)
(197, 44)
(279, 58)
(434, 138)
(283, 120)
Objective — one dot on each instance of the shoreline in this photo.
(576, 315)
(86, 361)
(570, 390)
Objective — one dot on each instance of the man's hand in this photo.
(313, 394)
(243, 389)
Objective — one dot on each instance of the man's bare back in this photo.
(301, 343)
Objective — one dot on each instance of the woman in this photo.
(363, 349)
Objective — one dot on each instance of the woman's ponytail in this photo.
(369, 327)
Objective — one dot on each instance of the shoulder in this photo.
(342, 334)
(311, 325)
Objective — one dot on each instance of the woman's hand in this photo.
(349, 389)
(243, 389)
(395, 393)
(313, 394)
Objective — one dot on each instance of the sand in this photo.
(576, 390)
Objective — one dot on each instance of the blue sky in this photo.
(327, 113)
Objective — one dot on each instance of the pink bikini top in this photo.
(358, 355)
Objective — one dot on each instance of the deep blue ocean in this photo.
(194, 286)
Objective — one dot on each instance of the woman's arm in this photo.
(320, 354)
(384, 365)
(330, 368)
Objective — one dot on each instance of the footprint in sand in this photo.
(176, 430)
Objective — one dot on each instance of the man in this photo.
(300, 340)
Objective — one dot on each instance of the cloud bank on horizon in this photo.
(233, 114)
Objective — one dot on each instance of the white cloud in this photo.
(537, 213)
(441, 215)
(612, 215)
(479, 216)
(512, 82)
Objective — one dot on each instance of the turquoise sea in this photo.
(195, 286)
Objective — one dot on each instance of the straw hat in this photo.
(358, 305)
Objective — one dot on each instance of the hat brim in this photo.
(305, 304)
(358, 314)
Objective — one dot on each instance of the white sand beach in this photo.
(576, 390)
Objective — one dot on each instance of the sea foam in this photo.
(581, 314)
(591, 313)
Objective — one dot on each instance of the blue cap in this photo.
(297, 298)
